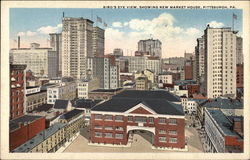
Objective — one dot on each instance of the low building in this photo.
(157, 112)
(74, 121)
(33, 89)
(142, 83)
(64, 91)
(148, 73)
(62, 106)
(85, 86)
(129, 85)
(165, 78)
(103, 94)
(35, 100)
(48, 140)
(179, 91)
(24, 128)
(229, 107)
(223, 134)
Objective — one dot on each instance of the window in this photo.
(130, 119)
(172, 122)
(108, 128)
(172, 132)
(108, 117)
(118, 118)
(98, 116)
(140, 119)
(162, 139)
(151, 120)
(172, 140)
(98, 127)
(119, 136)
(98, 134)
(118, 128)
(108, 135)
(161, 131)
(162, 120)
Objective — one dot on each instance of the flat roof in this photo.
(222, 121)
(39, 138)
(106, 90)
(14, 123)
(71, 114)
(224, 103)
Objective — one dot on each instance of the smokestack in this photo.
(18, 42)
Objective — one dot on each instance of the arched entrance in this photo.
(141, 137)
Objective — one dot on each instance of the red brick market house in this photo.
(157, 112)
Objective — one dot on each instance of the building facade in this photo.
(152, 46)
(220, 62)
(85, 86)
(34, 100)
(98, 42)
(56, 45)
(63, 91)
(199, 58)
(17, 90)
(239, 51)
(240, 76)
(77, 45)
(114, 121)
(41, 61)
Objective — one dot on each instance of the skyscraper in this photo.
(76, 46)
(98, 41)
(199, 57)
(56, 45)
(152, 46)
(239, 53)
(220, 62)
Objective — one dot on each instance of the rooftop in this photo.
(107, 90)
(43, 108)
(120, 104)
(85, 103)
(39, 138)
(14, 124)
(71, 114)
(43, 91)
(155, 95)
(222, 121)
(224, 103)
(61, 104)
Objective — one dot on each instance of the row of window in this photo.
(108, 135)
(134, 119)
(170, 132)
(164, 139)
(118, 128)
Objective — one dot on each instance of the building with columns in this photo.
(157, 112)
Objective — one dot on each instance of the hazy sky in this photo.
(177, 29)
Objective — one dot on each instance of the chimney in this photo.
(18, 42)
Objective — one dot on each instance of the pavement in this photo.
(141, 142)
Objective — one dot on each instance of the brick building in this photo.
(17, 90)
(240, 76)
(193, 89)
(24, 128)
(103, 94)
(223, 133)
(157, 112)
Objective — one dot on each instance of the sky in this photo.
(177, 29)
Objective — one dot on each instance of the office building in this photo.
(85, 86)
(56, 45)
(199, 58)
(240, 76)
(220, 62)
(98, 42)
(77, 45)
(152, 46)
(41, 61)
(118, 52)
(239, 51)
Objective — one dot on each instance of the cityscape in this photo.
(166, 88)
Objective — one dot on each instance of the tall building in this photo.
(199, 58)
(220, 62)
(56, 45)
(17, 90)
(239, 52)
(98, 42)
(111, 74)
(152, 46)
(41, 61)
(76, 46)
(240, 76)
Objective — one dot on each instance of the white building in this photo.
(41, 61)
(220, 62)
(63, 91)
(136, 63)
(31, 90)
(165, 78)
(153, 64)
(111, 75)
(239, 52)
(179, 92)
(76, 46)
(85, 86)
